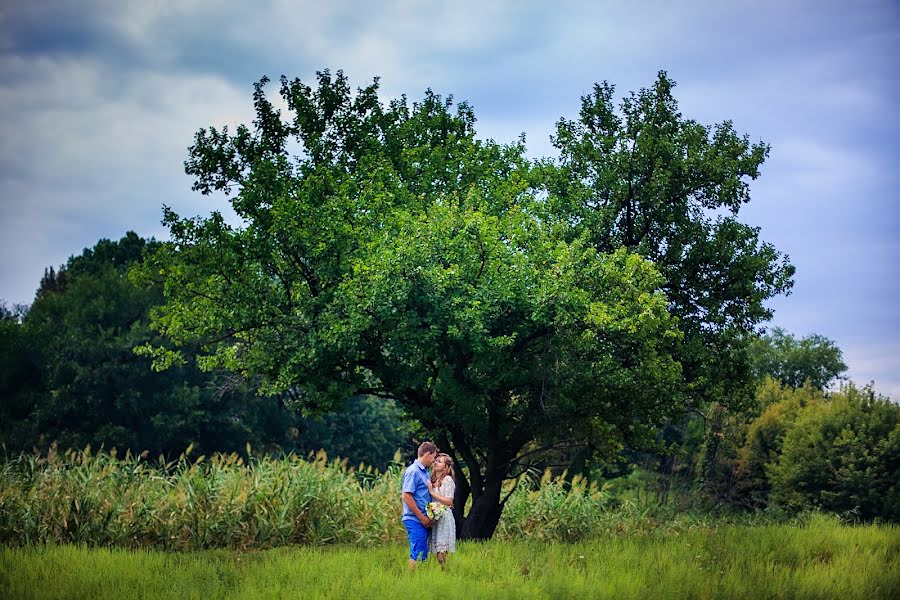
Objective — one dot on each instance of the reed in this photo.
(220, 501)
(223, 501)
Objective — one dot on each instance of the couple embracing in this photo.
(431, 529)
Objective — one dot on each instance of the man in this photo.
(415, 498)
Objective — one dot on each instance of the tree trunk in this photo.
(484, 485)
(460, 497)
(484, 515)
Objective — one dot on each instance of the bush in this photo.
(843, 456)
(780, 406)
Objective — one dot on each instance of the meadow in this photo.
(822, 559)
(94, 525)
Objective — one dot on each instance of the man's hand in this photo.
(426, 521)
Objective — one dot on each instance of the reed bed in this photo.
(223, 501)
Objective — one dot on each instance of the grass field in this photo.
(823, 559)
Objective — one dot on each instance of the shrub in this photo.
(843, 456)
(764, 438)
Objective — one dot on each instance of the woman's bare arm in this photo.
(448, 500)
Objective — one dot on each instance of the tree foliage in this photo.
(814, 359)
(762, 445)
(70, 375)
(366, 430)
(670, 189)
(842, 455)
(505, 305)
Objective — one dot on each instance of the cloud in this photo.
(878, 363)
(99, 101)
(84, 158)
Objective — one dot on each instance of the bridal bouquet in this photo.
(435, 510)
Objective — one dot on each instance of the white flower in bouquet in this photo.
(435, 510)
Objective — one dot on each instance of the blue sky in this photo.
(99, 101)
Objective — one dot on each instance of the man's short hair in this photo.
(427, 448)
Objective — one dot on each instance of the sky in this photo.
(99, 101)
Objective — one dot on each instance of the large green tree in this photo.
(641, 176)
(396, 255)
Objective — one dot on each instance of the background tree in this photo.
(814, 359)
(70, 375)
(366, 430)
(19, 372)
(780, 406)
(670, 189)
(398, 256)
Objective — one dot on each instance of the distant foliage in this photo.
(843, 456)
(803, 449)
(366, 430)
(69, 374)
(807, 450)
(765, 436)
(814, 359)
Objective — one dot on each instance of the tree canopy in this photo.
(70, 375)
(507, 305)
(814, 359)
(670, 189)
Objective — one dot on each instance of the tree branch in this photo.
(556, 446)
(510, 493)
(459, 440)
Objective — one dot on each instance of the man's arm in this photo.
(411, 503)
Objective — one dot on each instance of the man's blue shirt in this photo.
(415, 481)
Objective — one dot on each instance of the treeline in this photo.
(69, 374)
(805, 449)
(806, 439)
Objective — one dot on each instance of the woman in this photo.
(442, 488)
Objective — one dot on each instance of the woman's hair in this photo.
(449, 462)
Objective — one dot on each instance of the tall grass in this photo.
(99, 499)
(222, 501)
(822, 559)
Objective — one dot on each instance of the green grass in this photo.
(820, 559)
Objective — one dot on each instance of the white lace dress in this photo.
(443, 533)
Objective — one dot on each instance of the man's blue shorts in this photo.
(418, 539)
